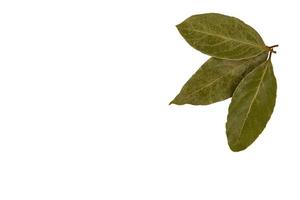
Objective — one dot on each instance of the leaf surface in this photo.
(251, 107)
(222, 36)
(216, 80)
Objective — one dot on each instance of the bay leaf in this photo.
(222, 36)
(251, 107)
(216, 80)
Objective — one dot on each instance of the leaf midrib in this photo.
(253, 99)
(212, 82)
(229, 38)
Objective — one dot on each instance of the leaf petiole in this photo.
(271, 50)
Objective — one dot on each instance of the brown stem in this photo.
(271, 51)
(271, 47)
(270, 55)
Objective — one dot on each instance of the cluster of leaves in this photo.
(240, 67)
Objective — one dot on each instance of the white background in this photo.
(84, 93)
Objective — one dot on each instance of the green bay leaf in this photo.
(251, 107)
(216, 80)
(222, 36)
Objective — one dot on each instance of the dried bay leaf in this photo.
(222, 36)
(251, 107)
(216, 80)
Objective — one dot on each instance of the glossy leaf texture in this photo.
(251, 107)
(222, 36)
(216, 80)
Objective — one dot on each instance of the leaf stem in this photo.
(271, 47)
(271, 50)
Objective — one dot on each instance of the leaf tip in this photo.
(178, 26)
(237, 147)
(172, 102)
